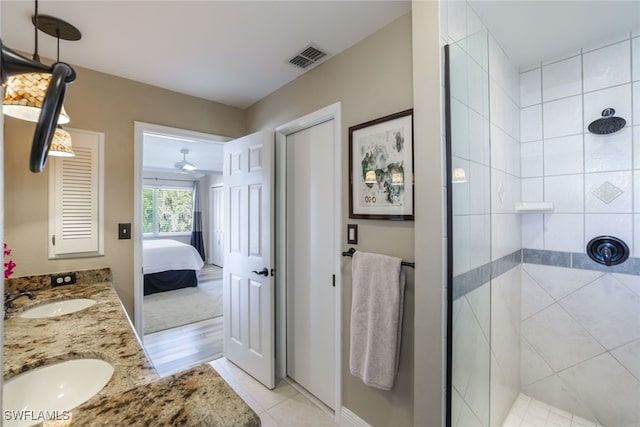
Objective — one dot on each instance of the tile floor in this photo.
(529, 412)
(284, 406)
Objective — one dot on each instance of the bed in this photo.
(168, 265)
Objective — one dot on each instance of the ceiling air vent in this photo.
(309, 56)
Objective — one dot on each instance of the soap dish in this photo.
(534, 207)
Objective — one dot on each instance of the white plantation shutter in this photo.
(75, 198)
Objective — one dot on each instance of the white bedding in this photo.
(165, 254)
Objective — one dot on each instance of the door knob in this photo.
(264, 272)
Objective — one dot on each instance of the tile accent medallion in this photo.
(607, 192)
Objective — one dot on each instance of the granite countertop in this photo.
(134, 395)
(197, 397)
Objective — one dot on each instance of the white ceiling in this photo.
(236, 52)
(161, 152)
(233, 52)
(540, 30)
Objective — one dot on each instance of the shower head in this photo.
(608, 123)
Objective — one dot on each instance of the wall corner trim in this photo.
(349, 419)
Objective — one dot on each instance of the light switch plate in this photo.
(124, 231)
(352, 234)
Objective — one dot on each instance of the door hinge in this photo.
(53, 240)
(334, 280)
(273, 272)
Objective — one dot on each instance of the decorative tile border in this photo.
(554, 258)
(578, 260)
(471, 280)
(506, 263)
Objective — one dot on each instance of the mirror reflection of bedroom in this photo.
(182, 256)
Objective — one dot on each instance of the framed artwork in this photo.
(381, 168)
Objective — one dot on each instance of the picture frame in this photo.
(381, 168)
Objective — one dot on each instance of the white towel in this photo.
(376, 318)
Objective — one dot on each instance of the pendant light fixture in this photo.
(24, 93)
(12, 64)
(61, 143)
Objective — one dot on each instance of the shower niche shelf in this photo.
(534, 207)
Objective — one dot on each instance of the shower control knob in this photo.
(608, 250)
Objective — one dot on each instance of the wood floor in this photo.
(180, 348)
(176, 349)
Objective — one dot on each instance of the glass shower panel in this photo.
(469, 217)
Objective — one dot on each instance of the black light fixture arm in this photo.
(36, 57)
(48, 121)
(12, 63)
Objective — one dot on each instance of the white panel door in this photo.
(248, 284)
(311, 175)
(216, 249)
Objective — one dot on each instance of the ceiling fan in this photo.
(184, 165)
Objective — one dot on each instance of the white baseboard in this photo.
(349, 419)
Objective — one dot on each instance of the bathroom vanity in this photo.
(134, 395)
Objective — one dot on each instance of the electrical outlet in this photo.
(63, 279)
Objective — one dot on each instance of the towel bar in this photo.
(352, 251)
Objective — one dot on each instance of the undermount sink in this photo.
(55, 388)
(57, 308)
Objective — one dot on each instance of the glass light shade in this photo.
(188, 167)
(370, 177)
(61, 144)
(24, 94)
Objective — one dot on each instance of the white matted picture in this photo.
(381, 168)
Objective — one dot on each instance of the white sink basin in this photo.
(55, 388)
(58, 308)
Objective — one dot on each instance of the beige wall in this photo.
(429, 225)
(381, 75)
(109, 104)
(371, 79)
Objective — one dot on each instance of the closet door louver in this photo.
(76, 223)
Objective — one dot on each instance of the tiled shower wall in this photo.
(581, 329)
(505, 231)
(541, 151)
(592, 180)
(486, 230)
(581, 342)
(469, 83)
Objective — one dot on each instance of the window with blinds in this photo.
(76, 198)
